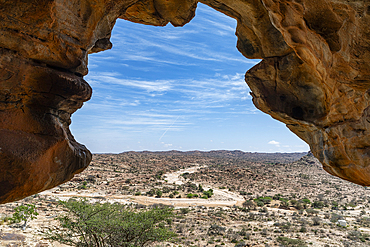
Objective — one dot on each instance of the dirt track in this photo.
(220, 197)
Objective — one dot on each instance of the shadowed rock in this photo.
(314, 77)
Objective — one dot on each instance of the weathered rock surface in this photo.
(314, 77)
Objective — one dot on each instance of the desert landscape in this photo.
(256, 199)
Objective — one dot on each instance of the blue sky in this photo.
(167, 88)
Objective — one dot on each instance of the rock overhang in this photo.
(314, 77)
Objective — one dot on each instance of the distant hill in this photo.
(236, 154)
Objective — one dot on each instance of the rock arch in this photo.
(314, 77)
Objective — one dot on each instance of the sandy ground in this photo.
(220, 197)
(31, 236)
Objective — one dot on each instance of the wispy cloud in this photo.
(189, 49)
(196, 41)
(114, 78)
(176, 106)
(202, 93)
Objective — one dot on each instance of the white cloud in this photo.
(212, 92)
(274, 142)
(143, 44)
(116, 78)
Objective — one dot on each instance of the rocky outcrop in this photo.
(314, 77)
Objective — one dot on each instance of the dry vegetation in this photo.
(258, 200)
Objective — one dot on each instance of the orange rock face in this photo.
(314, 77)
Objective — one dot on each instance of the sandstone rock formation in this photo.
(314, 77)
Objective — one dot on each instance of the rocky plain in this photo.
(258, 199)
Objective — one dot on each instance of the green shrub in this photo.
(159, 193)
(334, 204)
(305, 201)
(24, 213)
(166, 190)
(265, 200)
(316, 221)
(335, 217)
(216, 230)
(277, 196)
(190, 195)
(208, 193)
(356, 236)
(113, 225)
(264, 210)
(298, 206)
(200, 188)
(249, 204)
(283, 200)
(83, 186)
(291, 242)
(303, 229)
(150, 192)
(318, 204)
(184, 210)
(159, 174)
(311, 211)
(293, 202)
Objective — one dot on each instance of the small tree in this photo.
(150, 192)
(335, 205)
(305, 202)
(112, 225)
(318, 204)
(184, 210)
(208, 193)
(249, 204)
(200, 188)
(316, 221)
(159, 193)
(24, 213)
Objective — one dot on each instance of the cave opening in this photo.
(183, 88)
(167, 101)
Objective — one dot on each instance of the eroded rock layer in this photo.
(314, 77)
